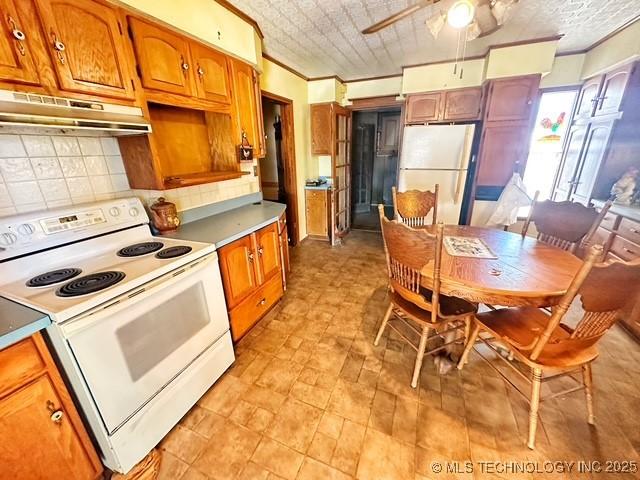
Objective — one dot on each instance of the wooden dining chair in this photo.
(416, 311)
(413, 206)
(549, 348)
(566, 225)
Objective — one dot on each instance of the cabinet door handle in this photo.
(200, 71)
(629, 251)
(634, 230)
(59, 47)
(250, 257)
(17, 34)
(56, 413)
(260, 250)
(183, 64)
(261, 302)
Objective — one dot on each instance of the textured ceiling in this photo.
(322, 37)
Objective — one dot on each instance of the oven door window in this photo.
(127, 353)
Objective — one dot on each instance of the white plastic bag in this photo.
(513, 197)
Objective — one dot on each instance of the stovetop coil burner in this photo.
(91, 283)
(55, 276)
(138, 249)
(172, 252)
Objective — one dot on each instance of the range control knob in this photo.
(133, 211)
(7, 239)
(114, 211)
(26, 229)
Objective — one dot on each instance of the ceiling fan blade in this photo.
(376, 27)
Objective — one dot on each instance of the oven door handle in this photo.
(139, 294)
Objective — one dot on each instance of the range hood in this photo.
(32, 110)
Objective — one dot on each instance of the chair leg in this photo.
(471, 340)
(536, 378)
(588, 390)
(422, 346)
(385, 320)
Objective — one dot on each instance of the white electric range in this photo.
(140, 324)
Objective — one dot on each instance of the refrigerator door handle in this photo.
(456, 196)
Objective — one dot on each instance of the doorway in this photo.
(376, 136)
(277, 170)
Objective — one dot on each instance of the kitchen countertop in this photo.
(629, 211)
(223, 228)
(324, 186)
(18, 322)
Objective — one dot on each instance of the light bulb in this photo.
(460, 14)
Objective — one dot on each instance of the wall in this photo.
(325, 90)
(380, 87)
(48, 171)
(617, 50)
(520, 60)
(203, 19)
(566, 71)
(279, 81)
(440, 76)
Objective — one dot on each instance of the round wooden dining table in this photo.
(526, 271)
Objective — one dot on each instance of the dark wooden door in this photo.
(321, 129)
(612, 92)
(504, 150)
(462, 104)
(16, 60)
(212, 74)
(388, 133)
(35, 424)
(595, 147)
(237, 265)
(86, 42)
(587, 98)
(163, 59)
(512, 99)
(268, 249)
(363, 153)
(571, 159)
(424, 107)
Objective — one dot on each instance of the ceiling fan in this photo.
(481, 17)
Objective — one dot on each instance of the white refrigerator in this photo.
(437, 154)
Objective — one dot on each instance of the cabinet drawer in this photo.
(610, 221)
(18, 364)
(625, 249)
(630, 230)
(247, 313)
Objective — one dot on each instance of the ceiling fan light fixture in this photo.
(473, 31)
(460, 14)
(501, 10)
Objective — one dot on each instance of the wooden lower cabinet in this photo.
(41, 433)
(620, 237)
(318, 204)
(253, 276)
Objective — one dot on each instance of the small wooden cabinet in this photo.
(213, 80)
(248, 105)
(16, 57)
(446, 106)
(603, 95)
(86, 42)
(318, 213)
(252, 275)
(321, 115)
(42, 435)
(163, 58)
(512, 99)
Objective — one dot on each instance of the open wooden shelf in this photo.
(199, 178)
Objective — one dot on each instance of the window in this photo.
(547, 139)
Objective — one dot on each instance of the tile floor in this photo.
(310, 397)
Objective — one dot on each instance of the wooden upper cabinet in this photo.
(239, 277)
(512, 99)
(424, 107)
(36, 446)
(268, 248)
(212, 73)
(87, 47)
(16, 60)
(587, 98)
(321, 129)
(504, 150)
(614, 84)
(163, 58)
(464, 104)
(244, 92)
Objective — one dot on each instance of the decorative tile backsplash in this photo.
(48, 171)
